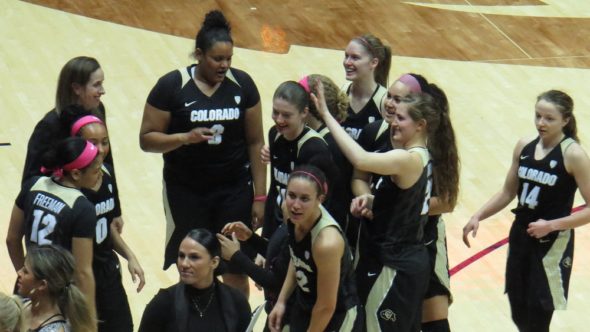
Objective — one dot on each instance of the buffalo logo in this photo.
(567, 262)
(387, 314)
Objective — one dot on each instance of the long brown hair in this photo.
(565, 105)
(56, 266)
(75, 71)
(378, 50)
(441, 143)
(336, 99)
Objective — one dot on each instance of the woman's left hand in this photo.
(540, 228)
(228, 246)
(136, 273)
(319, 100)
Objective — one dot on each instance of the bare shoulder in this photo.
(329, 242)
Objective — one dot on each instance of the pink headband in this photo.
(412, 82)
(304, 82)
(324, 186)
(84, 159)
(81, 122)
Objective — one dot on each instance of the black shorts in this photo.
(538, 270)
(187, 209)
(346, 321)
(394, 302)
(112, 305)
(436, 245)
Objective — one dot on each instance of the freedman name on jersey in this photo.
(219, 114)
(535, 175)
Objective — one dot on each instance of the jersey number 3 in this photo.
(47, 221)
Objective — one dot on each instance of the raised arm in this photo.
(501, 199)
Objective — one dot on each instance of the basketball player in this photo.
(544, 175)
(206, 120)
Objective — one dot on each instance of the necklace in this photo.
(196, 304)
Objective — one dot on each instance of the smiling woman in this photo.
(206, 120)
(198, 302)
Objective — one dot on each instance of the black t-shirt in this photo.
(307, 148)
(545, 189)
(206, 164)
(107, 207)
(375, 137)
(54, 214)
(46, 134)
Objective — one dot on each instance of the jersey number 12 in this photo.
(48, 220)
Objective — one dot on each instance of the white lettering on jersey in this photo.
(537, 176)
(49, 203)
(220, 114)
(281, 177)
(104, 207)
(353, 132)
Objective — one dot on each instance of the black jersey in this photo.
(46, 134)
(222, 159)
(399, 215)
(307, 148)
(545, 189)
(54, 214)
(306, 269)
(338, 203)
(371, 112)
(107, 207)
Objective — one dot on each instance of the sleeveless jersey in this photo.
(545, 189)
(371, 112)
(223, 159)
(107, 207)
(399, 215)
(338, 202)
(307, 148)
(306, 269)
(54, 214)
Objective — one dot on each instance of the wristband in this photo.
(260, 198)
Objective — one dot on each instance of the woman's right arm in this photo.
(14, 238)
(153, 136)
(501, 199)
(82, 250)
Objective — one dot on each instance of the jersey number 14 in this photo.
(529, 198)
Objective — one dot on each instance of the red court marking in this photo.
(489, 249)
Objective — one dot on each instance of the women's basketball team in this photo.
(352, 234)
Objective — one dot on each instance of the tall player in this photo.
(544, 175)
(206, 120)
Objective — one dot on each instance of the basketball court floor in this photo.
(492, 57)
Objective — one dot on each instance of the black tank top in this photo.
(545, 188)
(306, 269)
(399, 215)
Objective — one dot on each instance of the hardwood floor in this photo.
(491, 66)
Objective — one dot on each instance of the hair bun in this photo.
(215, 20)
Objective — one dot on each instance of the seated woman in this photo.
(198, 302)
(56, 303)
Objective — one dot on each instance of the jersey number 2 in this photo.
(39, 236)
